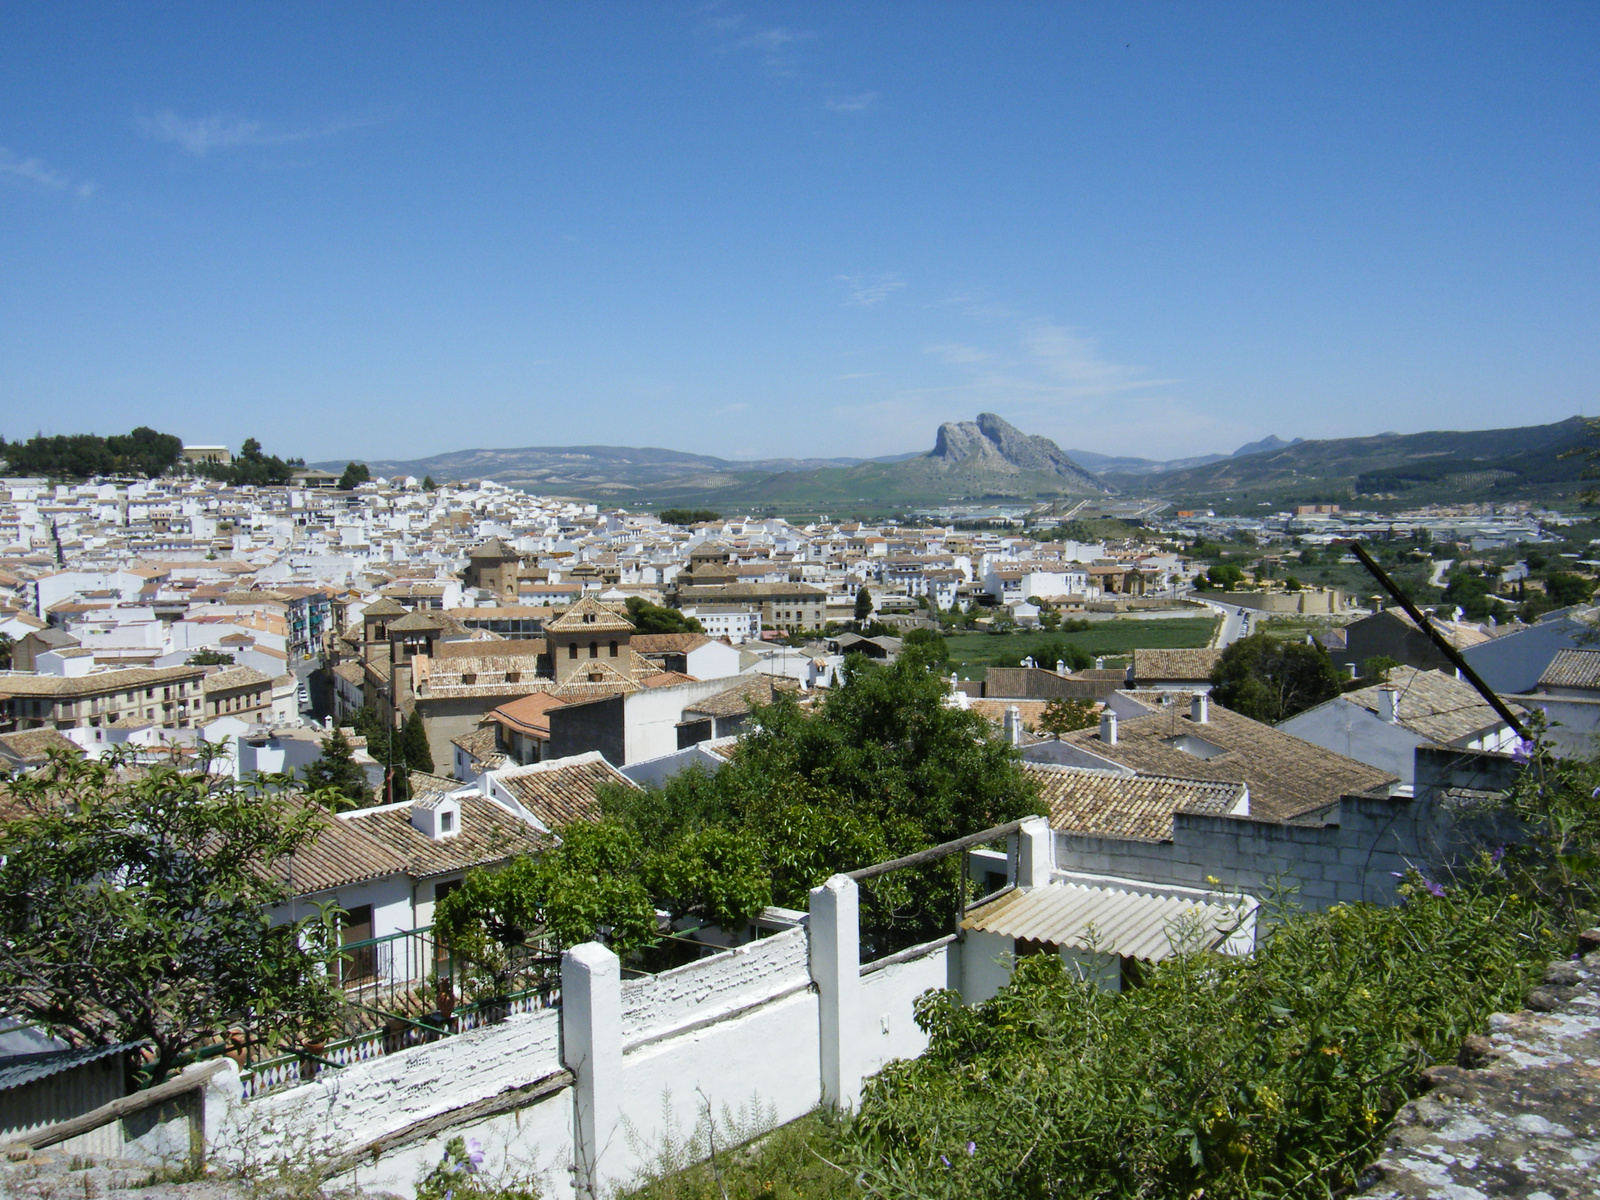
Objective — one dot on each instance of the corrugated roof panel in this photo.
(1132, 924)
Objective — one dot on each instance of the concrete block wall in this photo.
(1354, 855)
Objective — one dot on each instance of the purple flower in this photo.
(972, 1148)
(1434, 889)
(1500, 851)
(944, 1160)
(1397, 874)
(474, 1155)
(1522, 752)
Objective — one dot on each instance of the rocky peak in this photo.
(993, 444)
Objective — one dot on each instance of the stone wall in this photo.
(1520, 1114)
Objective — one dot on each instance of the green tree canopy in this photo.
(354, 474)
(655, 618)
(1565, 589)
(863, 604)
(1272, 680)
(586, 889)
(209, 658)
(337, 774)
(1064, 715)
(414, 740)
(136, 910)
(688, 516)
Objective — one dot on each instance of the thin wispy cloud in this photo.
(868, 291)
(201, 136)
(35, 173)
(1045, 377)
(775, 46)
(859, 375)
(955, 352)
(849, 104)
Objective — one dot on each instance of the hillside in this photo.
(983, 460)
(1445, 464)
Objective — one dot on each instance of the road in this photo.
(1236, 622)
(1439, 568)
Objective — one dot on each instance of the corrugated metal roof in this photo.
(28, 1068)
(1132, 924)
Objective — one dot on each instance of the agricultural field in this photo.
(971, 653)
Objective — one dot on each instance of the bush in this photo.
(1268, 1075)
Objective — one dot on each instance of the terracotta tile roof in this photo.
(668, 679)
(493, 549)
(1287, 777)
(1573, 669)
(1136, 806)
(528, 714)
(480, 744)
(1433, 704)
(1178, 665)
(601, 619)
(96, 682)
(30, 747)
(562, 790)
(667, 643)
(505, 648)
(383, 607)
(488, 834)
(736, 700)
(235, 677)
(340, 855)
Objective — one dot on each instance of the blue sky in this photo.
(388, 230)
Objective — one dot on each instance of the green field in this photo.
(971, 653)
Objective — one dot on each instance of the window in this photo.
(613, 649)
(447, 822)
(572, 650)
(594, 649)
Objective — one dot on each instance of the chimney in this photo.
(327, 724)
(1354, 670)
(1061, 667)
(1389, 705)
(1200, 709)
(1108, 727)
(1013, 725)
(1099, 664)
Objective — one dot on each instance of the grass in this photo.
(790, 1163)
(970, 653)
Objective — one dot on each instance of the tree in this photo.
(386, 747)
(1063, 715)
(713, 873)
(1271, 680)
(688, 516)
(6, 647)
(135, 909)
(654, 618)
(208, 657)
(337, 774)
(1565, 589)
(1225, 576)
(929, 643)
(881, 768)
(863, 604)
(354, 473)
(1376, 669)
(414, 741)
(428, 485)
(586, 889)
(1291, 584)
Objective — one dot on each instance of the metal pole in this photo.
(1438, 639)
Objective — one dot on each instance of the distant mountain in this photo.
(1484, 463)
(984, 459)
(991, 444)
(1101, 464)
(1270, 442)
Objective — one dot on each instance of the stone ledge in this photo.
(1520, 1117)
